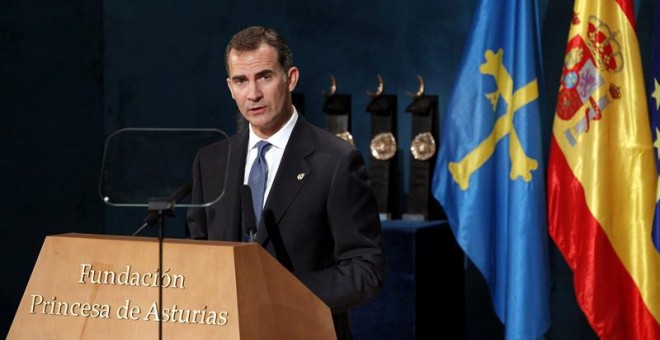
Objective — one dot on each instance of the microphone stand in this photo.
(161, 207)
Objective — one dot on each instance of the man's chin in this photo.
(261, 126)
(260, 121)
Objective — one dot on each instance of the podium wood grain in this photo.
(262, 300)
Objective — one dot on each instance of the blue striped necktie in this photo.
(258, 178)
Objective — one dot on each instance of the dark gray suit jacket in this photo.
(324, 212)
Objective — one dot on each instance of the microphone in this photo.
(181, 193)
(247, 206)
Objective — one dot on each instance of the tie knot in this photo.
(262, 147)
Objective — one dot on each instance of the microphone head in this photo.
(181, 193)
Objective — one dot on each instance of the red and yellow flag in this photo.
(601, 174)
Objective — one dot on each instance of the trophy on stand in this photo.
(384, 168)
(337, 108)
(421, 203)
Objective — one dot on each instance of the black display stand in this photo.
(337, 108)
(424, 273)
(384, 166)
(423, 147)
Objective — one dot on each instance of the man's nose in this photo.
(254, 92)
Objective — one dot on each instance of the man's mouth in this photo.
(257, 110)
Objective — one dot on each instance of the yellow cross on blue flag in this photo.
(489, 174)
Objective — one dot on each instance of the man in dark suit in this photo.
(320, 217)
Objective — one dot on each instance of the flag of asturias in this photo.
(489, 174)
(602, 176)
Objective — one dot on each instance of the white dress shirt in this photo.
(273, 154)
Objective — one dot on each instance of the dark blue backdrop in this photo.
(72, 73)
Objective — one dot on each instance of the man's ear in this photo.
(292, 78)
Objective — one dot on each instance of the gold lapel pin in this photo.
(301, 176)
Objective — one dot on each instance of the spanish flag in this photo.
(654, 107)
(602, 176)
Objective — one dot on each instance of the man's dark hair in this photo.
(249, 39)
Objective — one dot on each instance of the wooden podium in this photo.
(106, 287)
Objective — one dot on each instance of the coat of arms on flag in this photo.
(584, 64)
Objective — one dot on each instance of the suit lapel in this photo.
(291, 175)
(235, 171)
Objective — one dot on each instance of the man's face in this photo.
(261, 88)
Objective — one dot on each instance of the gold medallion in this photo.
(423, 146)
(346, 136)
(383, 146)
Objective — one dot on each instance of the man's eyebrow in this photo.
(239, 77)
(258, 75)
(264, 73)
